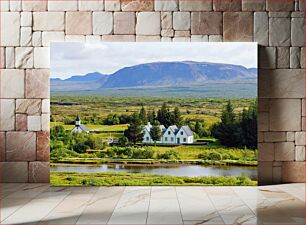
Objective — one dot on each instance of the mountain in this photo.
(177, 74)
(158, 74)
(90, 81)
(88, 77)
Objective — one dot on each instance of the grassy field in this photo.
(203, 109)
(129, 179)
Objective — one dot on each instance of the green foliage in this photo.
(63, 142)
(112, 119)
(130, 179)
(61, 153)
(134, 132)
(143, 115)
(228, 154)
(123, 141)
(237, 131)
(155, 132)
(130, 153)
(171, 154)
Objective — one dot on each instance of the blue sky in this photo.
(69, 59)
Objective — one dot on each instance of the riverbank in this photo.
(97, 161)
(129, 179)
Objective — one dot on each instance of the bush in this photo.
(61, 153)
(123, 141)
(130, 153)
(169, 155)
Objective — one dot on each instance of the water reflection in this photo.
(174, 170)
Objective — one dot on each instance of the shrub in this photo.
(171, 154)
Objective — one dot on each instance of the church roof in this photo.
(77, 118)
(80, 128)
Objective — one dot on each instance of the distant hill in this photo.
(90, 81)
(176, 74)
(88, 77)
(158, 74)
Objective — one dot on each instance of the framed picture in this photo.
(144, 114)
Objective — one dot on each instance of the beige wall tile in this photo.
(78, 23)
(28, 106)
(56, 5)
(48, 21)
(37, 83)
(10, 28)
(34, 123)
(281, 83)
(203, 5)
(7, 114)
(124, 23)
(43, 146)
(20, 146)
(34, 5)
(206, 23)
(12, 83)
(145, 28)
(39, 172)
(166, 5)
(293, 172)
(238, 26)
(285, 115)
(284, 151)
(14, 172)
(137, 5)
(21, 122)
(103, 23)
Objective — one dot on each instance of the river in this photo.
(174, 170)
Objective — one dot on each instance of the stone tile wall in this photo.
(28, 27)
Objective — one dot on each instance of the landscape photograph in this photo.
(153, 114)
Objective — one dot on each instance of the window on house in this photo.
(169, 132)
(172, 139)
(147, 138)
(185, 139)
(182, 132)
(166, 139)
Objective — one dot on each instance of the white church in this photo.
(79, 127)
(171, 135)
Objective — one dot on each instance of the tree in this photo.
(198, 128)
(134, 132)
(143, 115)
(155, 132)
(123, 141)
(247, 128)
(225, 131)
(152, 116)
(176, 117)
(164, 116)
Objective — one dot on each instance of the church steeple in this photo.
(77, 121)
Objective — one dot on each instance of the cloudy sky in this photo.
(68, 59)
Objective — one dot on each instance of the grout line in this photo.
(149, 205)
(116, 205)
(177, 198)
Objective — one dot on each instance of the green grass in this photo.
(189, 152)
(129, 179)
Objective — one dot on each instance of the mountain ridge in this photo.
(158, 74)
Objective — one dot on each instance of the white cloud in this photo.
(69, 59)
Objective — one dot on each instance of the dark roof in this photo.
(187, 130)
(77, 118)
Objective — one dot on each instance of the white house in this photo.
(146, 134)
(171, 135)
(79, 128)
